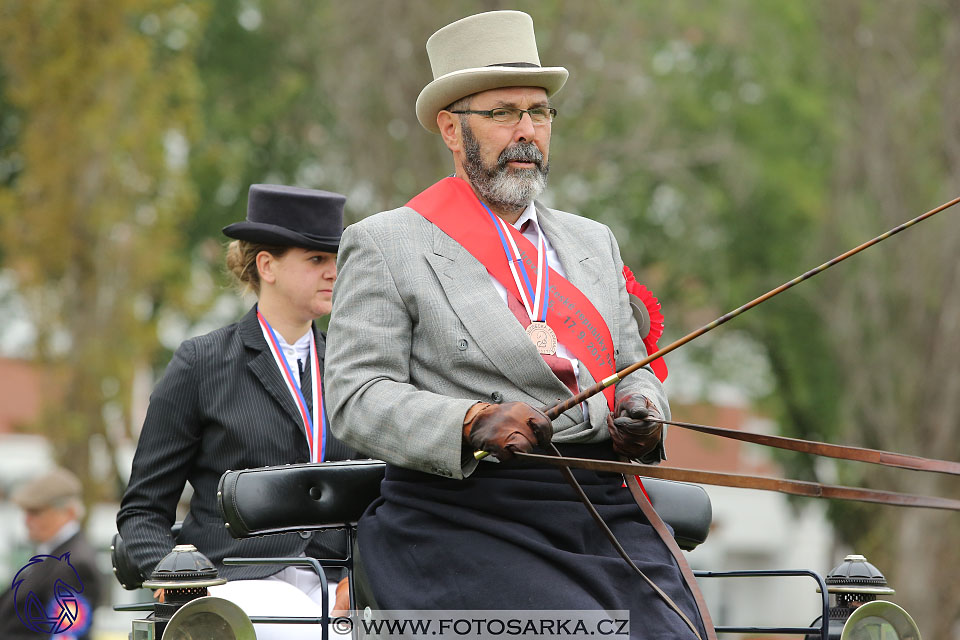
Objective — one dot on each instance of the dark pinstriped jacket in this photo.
(221, 404)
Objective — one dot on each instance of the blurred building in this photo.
(21, 455)
(24, 455)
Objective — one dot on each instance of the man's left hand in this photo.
(633, 433)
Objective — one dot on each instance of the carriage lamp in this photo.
(188, 611)
(857, 614)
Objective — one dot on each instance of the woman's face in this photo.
(304, 279)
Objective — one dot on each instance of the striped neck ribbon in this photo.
(534, 300)
(315, 425)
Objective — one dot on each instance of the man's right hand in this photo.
(503, 429)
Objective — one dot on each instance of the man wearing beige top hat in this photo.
(459, 315)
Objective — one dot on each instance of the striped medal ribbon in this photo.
(314, 425)
(535, 301)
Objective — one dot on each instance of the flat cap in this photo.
(50, 489)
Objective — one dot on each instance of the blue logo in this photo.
(65, 610)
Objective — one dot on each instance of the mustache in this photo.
(521, 152)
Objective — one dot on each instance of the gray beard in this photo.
(504, 188)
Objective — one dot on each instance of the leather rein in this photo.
(631, 470)
(795, 487)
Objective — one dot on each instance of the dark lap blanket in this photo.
(515, 536)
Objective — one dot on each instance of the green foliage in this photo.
(91, 224)
(704, 136)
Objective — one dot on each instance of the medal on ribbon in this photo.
(315, 422)
(534, 299)
(571, 318)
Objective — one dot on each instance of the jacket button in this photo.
(462, 344)
(497, 397)
(304, 534)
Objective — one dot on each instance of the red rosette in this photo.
(652, 306)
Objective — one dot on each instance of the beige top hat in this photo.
(480, 52)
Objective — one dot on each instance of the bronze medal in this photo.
(543, 338)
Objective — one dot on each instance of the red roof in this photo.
(692, 450)
(20, 391)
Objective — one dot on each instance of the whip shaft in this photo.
(554, 411)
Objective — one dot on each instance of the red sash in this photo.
(453, 207)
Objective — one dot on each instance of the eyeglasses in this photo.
(512, 115)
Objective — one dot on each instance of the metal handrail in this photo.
(746, 573)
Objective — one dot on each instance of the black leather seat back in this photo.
(298, 497)
(685, 507)
(307, 497)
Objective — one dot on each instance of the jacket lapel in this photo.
(265, 368)
(582, 270)
(495, 330)
(579, 263)
(321, 356)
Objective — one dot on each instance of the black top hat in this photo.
(291, 217)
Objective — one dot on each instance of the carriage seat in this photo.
(124, 568)
(308, 497)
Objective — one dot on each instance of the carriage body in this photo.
(310, 497)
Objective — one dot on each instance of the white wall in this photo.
(762, 530)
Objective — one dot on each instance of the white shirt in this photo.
(532, 234)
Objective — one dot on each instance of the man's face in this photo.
(44, 523)
(506, 163)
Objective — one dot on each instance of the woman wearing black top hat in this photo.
(242, 397)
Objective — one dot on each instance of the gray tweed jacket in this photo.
(418, 334)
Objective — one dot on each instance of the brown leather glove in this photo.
(633, 435)
(505, 428)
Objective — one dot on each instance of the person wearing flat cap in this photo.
(456, 319)
(62, 575)
(246, 395)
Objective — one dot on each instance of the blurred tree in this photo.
(893, 313)
(703, 137)
(91, 224)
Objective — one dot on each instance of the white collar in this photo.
(299, 348)
(303, 342)
(530, 213)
